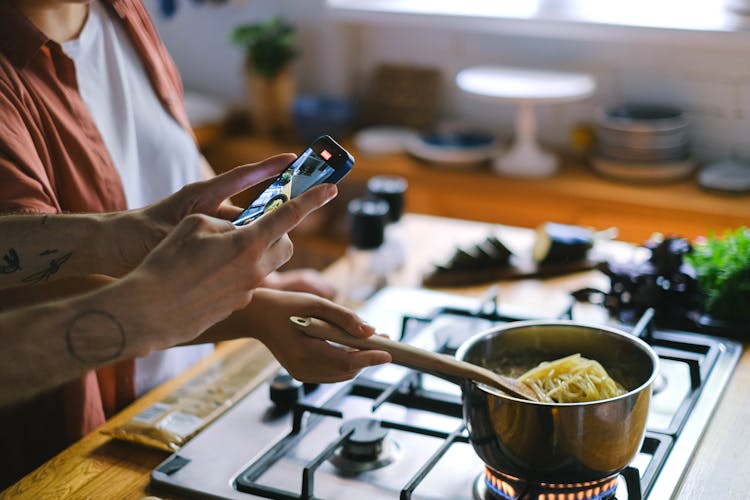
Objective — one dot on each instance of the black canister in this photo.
(367, 222)
(392, 189)
(368, 268)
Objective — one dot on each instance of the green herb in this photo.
(270, 46)
(722, 266)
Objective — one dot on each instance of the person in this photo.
(92, 119)
(186, 251)
(148, 309)
(145, 310)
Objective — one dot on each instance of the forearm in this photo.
(39, 248)
(255, 320)
(239, 324)
(47, 344)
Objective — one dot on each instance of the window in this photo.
(569, 18)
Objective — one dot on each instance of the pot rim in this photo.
(461, 352)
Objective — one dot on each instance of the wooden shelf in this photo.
(575, 195)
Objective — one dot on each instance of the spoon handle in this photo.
(413, 357)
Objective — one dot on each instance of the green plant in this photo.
(269, 46)
(722, 266)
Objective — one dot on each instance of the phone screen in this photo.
(323, 161)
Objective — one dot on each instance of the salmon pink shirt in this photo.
(53, 160)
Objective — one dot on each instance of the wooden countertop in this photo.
(100, 467)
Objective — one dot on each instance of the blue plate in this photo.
(454, 148)
(459, 140)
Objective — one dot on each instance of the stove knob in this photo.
(285, 390)
(310, 387)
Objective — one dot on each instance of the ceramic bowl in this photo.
(640, 126)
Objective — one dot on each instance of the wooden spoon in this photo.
(414, 357)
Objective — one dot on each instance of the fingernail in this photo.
(366, 328)
(382, 359)
(331, 191)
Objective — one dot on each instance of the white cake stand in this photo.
(527, 87)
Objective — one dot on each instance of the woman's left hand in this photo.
(306, 358)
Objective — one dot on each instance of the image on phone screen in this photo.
(324, 161)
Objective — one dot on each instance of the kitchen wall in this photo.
(710, 81)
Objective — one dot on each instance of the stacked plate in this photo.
(642, 142)
(449, 146)
(454, 148)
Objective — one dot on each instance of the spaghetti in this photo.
(573, 379)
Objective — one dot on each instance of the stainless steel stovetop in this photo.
(259, 449)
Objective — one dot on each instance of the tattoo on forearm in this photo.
(11, 262)
(95, 337)
(48, 252)
(49, 271)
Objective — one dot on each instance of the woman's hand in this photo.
(306, 358)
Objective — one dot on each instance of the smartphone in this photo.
(324, 161)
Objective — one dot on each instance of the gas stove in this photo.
(395, 433)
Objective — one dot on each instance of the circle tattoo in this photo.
(95, 337)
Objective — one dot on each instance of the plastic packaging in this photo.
(172, 421)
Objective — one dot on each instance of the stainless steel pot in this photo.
(549, 442)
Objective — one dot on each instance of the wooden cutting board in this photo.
(516, 269)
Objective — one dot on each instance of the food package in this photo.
(170, 423)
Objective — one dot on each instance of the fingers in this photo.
(190, 224)
(342, 317)
(274, 225)
(240, 178)
(341, 364)
(363, 359)
(228, 211)
(196, 224)
(279, 253)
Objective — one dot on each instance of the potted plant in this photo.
(270, 47)
(722, 266)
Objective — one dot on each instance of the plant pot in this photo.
(271, 101)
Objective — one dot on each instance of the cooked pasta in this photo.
(573, 379)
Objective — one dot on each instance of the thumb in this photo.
(240, 178)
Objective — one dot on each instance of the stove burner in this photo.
(496, 485)
(660, 384)
(366, 439)
(367, 447)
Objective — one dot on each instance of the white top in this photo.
(525, 84)
(153, 154)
